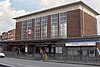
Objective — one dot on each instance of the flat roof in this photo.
(44, 10)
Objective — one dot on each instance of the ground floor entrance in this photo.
(60, 49)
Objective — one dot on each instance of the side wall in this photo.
(18, 31)
(81, 24)
(90, 25)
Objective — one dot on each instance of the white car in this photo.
(2, 55)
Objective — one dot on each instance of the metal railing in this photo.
(58, 57)
(85, 59)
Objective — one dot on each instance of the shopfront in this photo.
(81, 49)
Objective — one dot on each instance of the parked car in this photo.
(2, 55)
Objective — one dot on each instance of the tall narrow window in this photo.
(54, 26)
(63, 25)
(44, 21)
(26, 26)
(29, 29)
(23, 31)
(37, 28)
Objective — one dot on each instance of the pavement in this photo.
(94, 63)
(69, 62)
(75, 62)
(13, 62)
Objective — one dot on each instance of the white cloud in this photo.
(16, 13)
(6, 15)
(48, 3)
(1, 14)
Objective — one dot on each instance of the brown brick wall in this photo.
(49, 26)
(89, 25)
(73, 18)
(98, 45)
(18, 31)
(33, 28)
(14, 33)
(77, 26)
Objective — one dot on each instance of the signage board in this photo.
(81, 44)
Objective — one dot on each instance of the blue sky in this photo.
(27, 5)
(31, 5)
(12, 8)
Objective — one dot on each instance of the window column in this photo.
(37, 29)
(63, 25)
(44, 21)
(54, 26)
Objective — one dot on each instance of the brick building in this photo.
(9, 35)
(69, 29)
(4, 36)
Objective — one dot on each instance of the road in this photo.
(29, 63)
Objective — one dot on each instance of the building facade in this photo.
(72, 20)
(9, 35)
(4, 36)
(69, 29)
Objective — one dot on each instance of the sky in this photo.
(14, 8)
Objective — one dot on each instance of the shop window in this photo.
(58, 49)
(91, 53)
